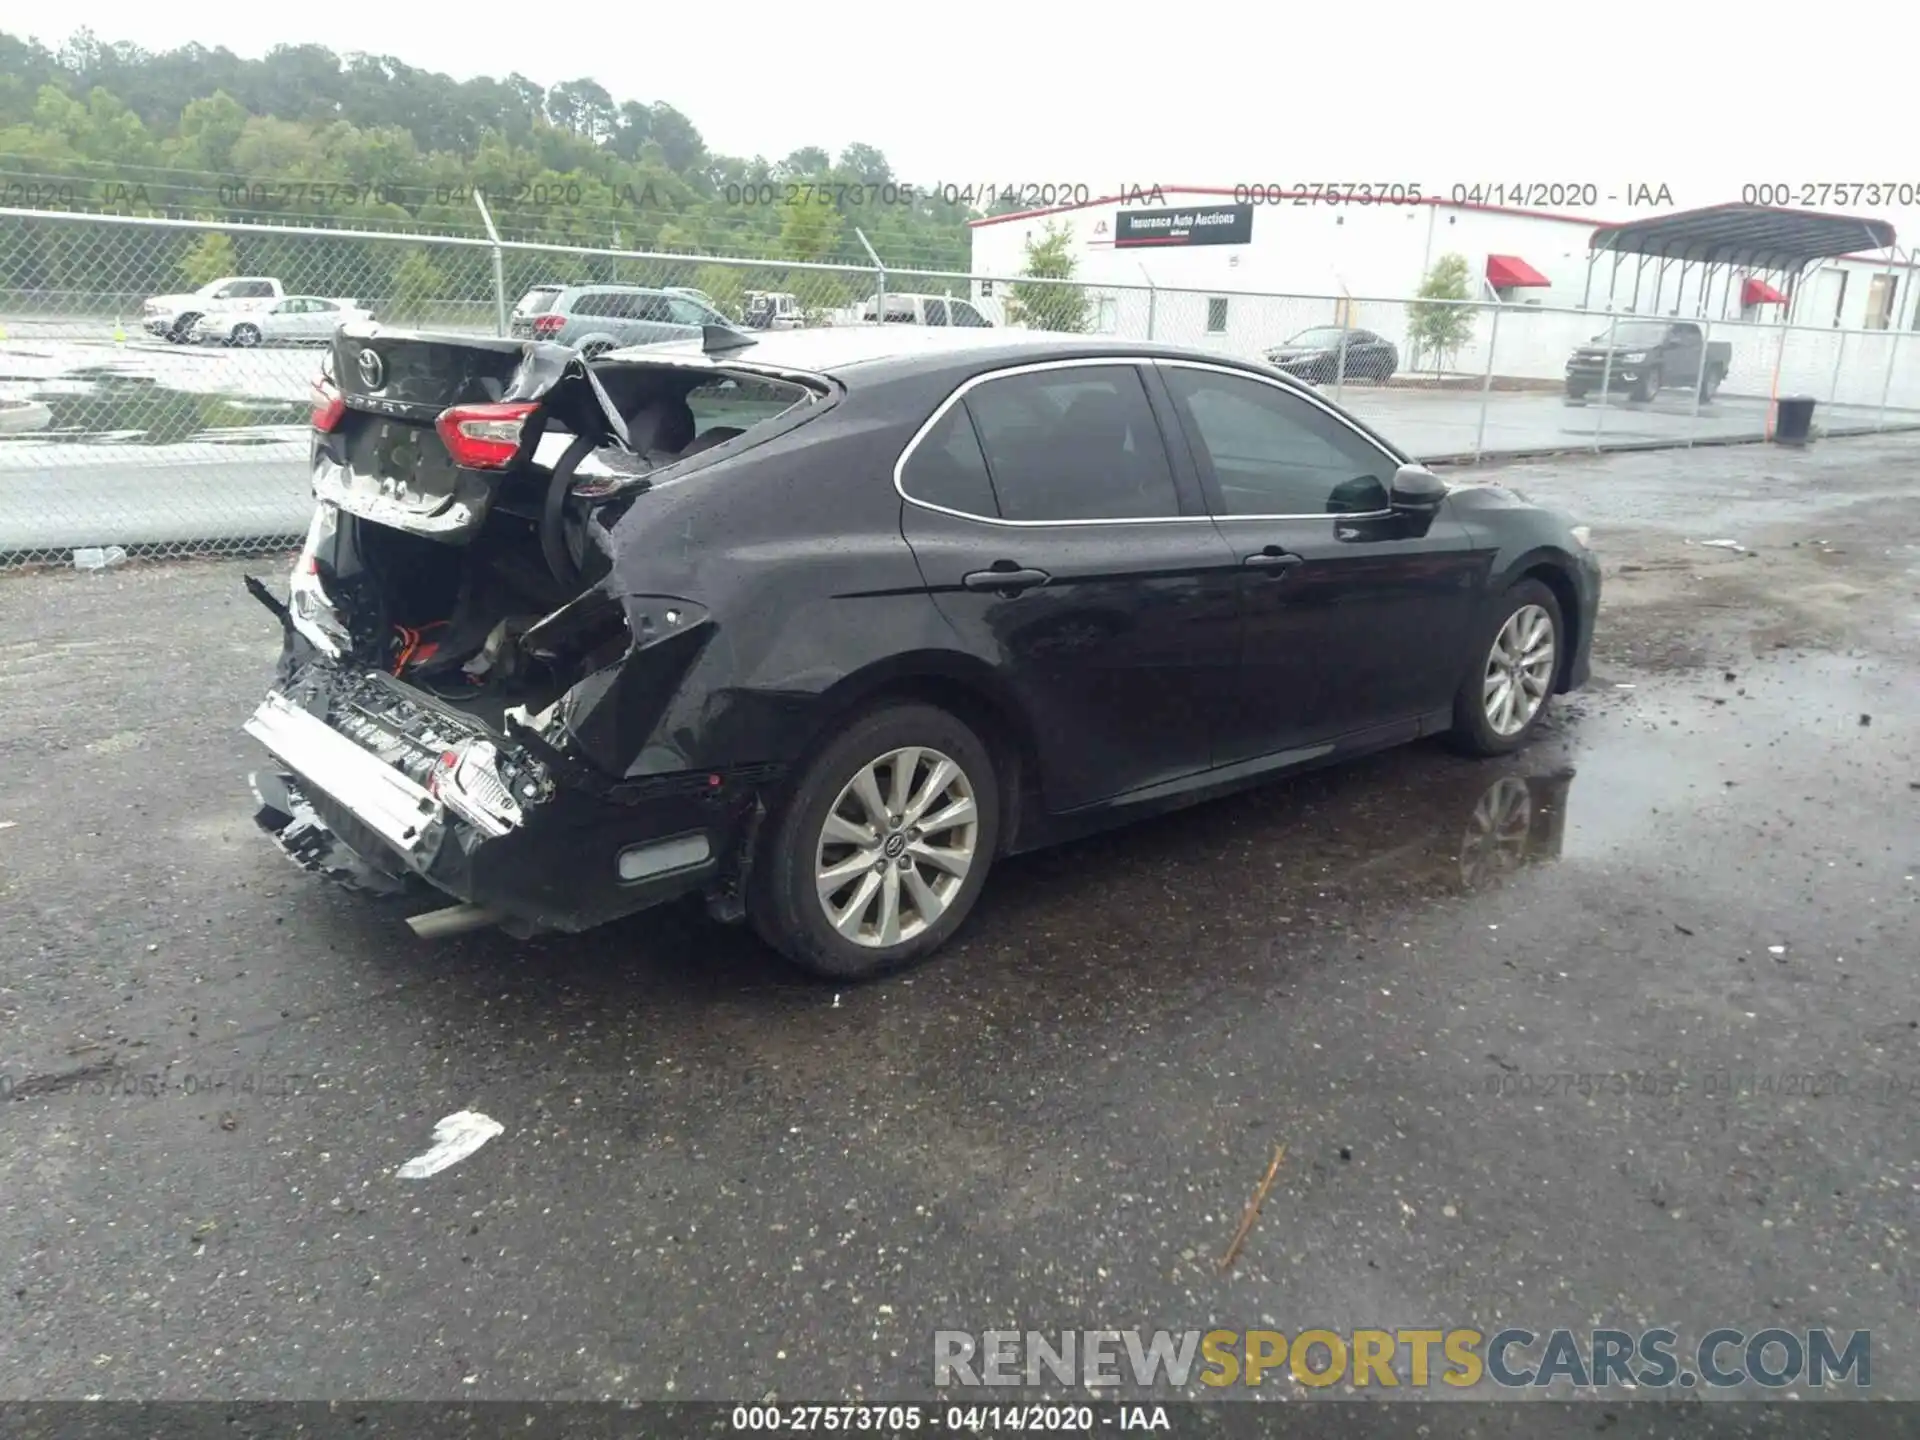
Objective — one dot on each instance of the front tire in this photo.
(1510, 685)
(1648, 385)
(246, 336)
(882, 846)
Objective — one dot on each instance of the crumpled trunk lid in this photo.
(385, 461)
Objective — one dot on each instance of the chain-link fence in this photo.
(155, 374)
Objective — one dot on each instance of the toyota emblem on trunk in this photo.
(372, 372)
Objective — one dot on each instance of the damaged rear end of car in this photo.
(468, 676)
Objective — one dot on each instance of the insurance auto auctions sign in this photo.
(1189, 225)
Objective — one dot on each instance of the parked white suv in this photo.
(925, 310)
(174, 316)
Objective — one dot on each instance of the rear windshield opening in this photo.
(672, 413)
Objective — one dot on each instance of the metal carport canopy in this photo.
(1754, 235)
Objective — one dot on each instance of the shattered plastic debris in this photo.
(93, 557)
(454, 1139)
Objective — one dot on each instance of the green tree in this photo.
(209, 129)
(210, 258)
(1440, 330)
(417, 283)
(1049, 306)
(809, 229)
(366, 141)
(722, 282)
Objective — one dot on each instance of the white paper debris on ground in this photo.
(1776, 949)
(1723, 545)
(454, 1139)
(8, 824)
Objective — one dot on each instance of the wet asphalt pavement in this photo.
(1621, 1031)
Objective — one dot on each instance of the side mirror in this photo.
(1417, 490)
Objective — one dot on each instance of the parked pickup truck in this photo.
(1645, 356)
(173, 316)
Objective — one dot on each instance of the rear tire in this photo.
(830, 886)
(1710, 383)
(1513, 658)
(1576, 394)
(246, 336)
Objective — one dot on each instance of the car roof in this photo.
(612, 285)
(844, 352)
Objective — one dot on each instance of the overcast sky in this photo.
(992, 92)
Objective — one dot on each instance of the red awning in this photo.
(1510, 271)
(1759, 292)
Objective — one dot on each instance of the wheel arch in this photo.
(954, 682)
(1556, 573)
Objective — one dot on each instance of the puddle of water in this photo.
(1682, 762)
(137, 409)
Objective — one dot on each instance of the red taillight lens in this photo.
(329, 407)
(483, 437)
(549, 324)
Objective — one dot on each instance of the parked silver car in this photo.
(597, 318)
(296, 320)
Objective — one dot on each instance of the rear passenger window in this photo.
(947, 469)
(1078, 443)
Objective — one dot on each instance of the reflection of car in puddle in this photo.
(96, 406)
(1478, 834)
(1519, 820)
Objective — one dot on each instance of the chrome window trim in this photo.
(1083, 361)
(1031, 367)
(1298, 392)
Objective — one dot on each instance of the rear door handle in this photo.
(1009, 581)
(1273, 560)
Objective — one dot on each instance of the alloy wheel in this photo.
(1519, 671)
(896, 847)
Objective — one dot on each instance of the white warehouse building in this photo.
(1240, 273)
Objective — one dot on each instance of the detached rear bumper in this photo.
(565, 860)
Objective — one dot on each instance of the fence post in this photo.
(879, 277)
(1699, 380)
(1886, 385)
(1606, 379)
(1486, 386)
(1773, 397)
(499, 266)
(1344, 310)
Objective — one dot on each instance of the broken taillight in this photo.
(329, 407)
(544, 325)
(484, 437)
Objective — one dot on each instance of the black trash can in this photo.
(1793, 419)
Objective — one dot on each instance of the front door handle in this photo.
(1273, 560)
(1010, 581)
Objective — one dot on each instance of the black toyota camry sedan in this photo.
(820, 625)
